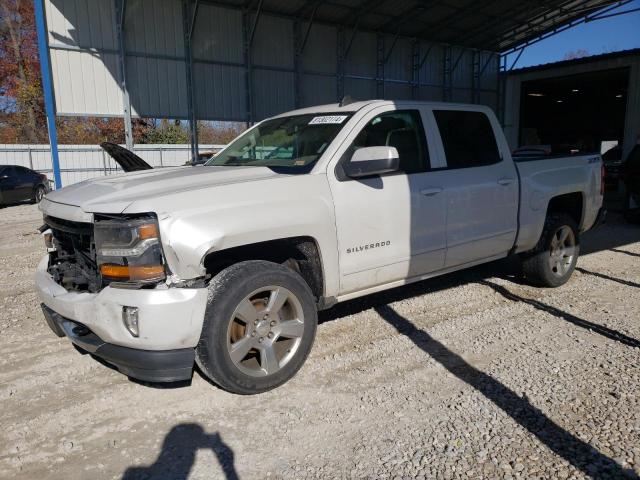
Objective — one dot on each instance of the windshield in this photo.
(294, 143)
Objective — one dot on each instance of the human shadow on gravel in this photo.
(607, 277)
(179, 453)
(580, 454)
(556, 312)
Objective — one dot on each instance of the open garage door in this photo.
(577, 112)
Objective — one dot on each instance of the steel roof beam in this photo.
(561, 27)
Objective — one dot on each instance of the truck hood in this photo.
(113, 194)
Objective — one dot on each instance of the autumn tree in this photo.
(23, 117)
(22, 113)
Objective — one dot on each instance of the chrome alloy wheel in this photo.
(265, 331)
(562, 251)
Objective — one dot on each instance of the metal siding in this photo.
(489, 99)
(360, 89)
(432, 94)
(397, 91)
(398, 66)
(273, 42)
(154, 27)
(489, 78)
(318, 90)
(81, 23)
(273, 92)
(219, 92)
(320, 53)
(82, 162)
(431, 71)
(462, 75)
(218, 35)
(362, 58)
(157, 87)
(461, 95)
(85, 84)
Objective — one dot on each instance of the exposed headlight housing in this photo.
(129, 250)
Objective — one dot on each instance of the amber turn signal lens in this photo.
(123, 272)
(149, 230)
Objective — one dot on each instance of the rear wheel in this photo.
(259, 327)
(553, 260)
(39, 194)
(631, 207)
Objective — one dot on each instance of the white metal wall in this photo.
(237, 83)
(81, 162)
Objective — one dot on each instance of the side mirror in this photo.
(369, 161)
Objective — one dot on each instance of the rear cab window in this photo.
(467, 138)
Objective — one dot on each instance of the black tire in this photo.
(630, 214)
(39, 193)
(536, 265)
(227, 290)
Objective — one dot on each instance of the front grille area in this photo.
(73, 263)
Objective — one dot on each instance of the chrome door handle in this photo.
(505, 181)
(429, 192)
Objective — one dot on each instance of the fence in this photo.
(80, 162)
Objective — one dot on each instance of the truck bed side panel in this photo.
(543, 179)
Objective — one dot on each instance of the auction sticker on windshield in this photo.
(328, 119)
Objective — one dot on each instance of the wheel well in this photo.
(569, 203)
(301, 254)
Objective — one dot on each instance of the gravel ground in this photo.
(471, 375)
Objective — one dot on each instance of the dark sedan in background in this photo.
(20, 184)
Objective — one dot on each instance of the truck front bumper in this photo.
(169, 323)
(149, 365)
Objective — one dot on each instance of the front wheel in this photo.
(259, 326)
(553, 260)
(39, 194)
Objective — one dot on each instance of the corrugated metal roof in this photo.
(494, 25)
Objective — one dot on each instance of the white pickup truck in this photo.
(225, 265)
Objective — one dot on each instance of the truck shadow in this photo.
(580, 454)
(178, 455)
(632, 254)
(607, 277)
(556, 312)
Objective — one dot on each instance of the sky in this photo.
(602, 36)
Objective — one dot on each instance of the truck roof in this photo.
(357, 105)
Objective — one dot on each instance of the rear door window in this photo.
(467, 138)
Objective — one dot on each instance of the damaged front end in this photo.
(72, 255)
(122, 251)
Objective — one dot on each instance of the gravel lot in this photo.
(471, 375)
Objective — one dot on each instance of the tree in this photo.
(580, 53)
(20, 73)
(22, 113)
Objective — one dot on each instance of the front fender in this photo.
(255, 212)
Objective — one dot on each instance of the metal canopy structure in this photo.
(493, 25)
(244, 60)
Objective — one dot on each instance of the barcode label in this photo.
(328, 119)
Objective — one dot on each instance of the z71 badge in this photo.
(370, 246)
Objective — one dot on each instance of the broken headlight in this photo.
(129, 250)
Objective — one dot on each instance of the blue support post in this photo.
(47, 89)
